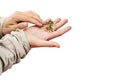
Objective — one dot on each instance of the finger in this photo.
(59, 32)
(47, 20)
(33, 21)
(60, 24)
(22, 17)
(33, 13)
(47, 44)
(35, 16)
(21, 25)
(57, 20)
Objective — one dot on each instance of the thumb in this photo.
(47, 44)
(21, 25)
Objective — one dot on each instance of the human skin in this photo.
(20, 20)
(39, 37)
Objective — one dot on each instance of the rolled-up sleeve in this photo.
(13, 47)
(1, 23)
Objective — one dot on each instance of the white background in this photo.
(90, 51)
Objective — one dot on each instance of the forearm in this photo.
(1, 23)
(13, 47)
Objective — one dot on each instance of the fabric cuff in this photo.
(2, 19)
(23, 42)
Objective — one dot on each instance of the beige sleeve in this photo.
(13, 47)
(1, 22)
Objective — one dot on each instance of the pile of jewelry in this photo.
(49, 26)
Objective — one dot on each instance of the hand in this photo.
(20, 20)
(39, 37)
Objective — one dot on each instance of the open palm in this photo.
(39, 37)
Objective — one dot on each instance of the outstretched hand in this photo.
(39, 37)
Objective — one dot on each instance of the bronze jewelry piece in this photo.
(49, 26)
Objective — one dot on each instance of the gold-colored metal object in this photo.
(49, 26)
